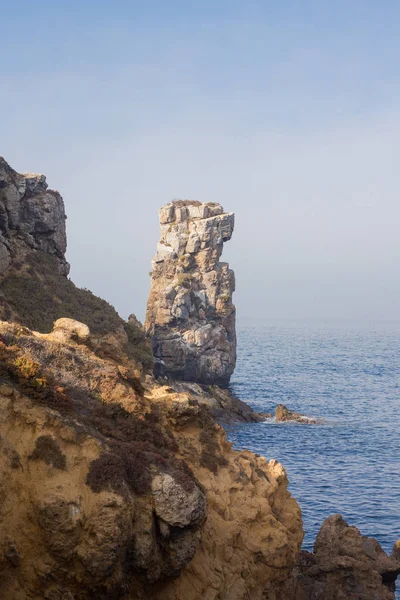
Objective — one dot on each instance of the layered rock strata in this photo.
(190, 315)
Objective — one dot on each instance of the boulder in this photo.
(282, 413)
(68, 330)
(175, 505)
(345, 565)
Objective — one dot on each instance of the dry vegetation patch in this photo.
(47, 449)
(35, 295)
(137, 443)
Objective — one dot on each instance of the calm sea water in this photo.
(349, 375)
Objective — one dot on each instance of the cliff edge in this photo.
(110, 490)
(32, 218)
(34, 288)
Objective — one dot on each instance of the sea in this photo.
(348, 375)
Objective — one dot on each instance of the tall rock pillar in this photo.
(190, 315)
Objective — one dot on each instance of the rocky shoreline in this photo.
(117, 485)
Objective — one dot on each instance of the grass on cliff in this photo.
(38, 296)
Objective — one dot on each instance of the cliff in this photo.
(31, 218)
(115, 487)
(34, 288)
(190, 315)
(111, 490)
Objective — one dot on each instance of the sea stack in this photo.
(190, 315)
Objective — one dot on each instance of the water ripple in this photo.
(350, 378)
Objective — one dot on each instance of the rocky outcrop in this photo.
(34, 288)
(32, 217)
(282, 414)
(224, 407)
(345, 565)
(109, 490)
(190, 315)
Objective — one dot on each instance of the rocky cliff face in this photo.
(114, 489)
(112, 486)
(345, 564)
(117, 488)
(34, 288)
(190, 314)
(31, 218)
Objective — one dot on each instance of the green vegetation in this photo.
(37, 295)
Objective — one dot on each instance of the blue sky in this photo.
(286, 113)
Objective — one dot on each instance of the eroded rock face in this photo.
(124, 494)
(345, 565)
(31, 218)
(176, 506)
(190, 314)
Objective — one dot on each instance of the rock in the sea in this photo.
(190, 314)
(224, 407)
(345, 565)
(282, 413)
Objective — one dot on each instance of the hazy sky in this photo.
(286, 113)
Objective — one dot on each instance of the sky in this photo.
(287, 113)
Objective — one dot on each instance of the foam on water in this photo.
(349, 376)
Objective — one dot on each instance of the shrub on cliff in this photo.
(35, 295)
(28, 375)
(47, 450)
(135, 444)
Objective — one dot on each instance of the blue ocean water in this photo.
(349, 375)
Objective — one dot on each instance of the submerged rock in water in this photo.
(190, 315)
(282, 413)
(345, 564)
